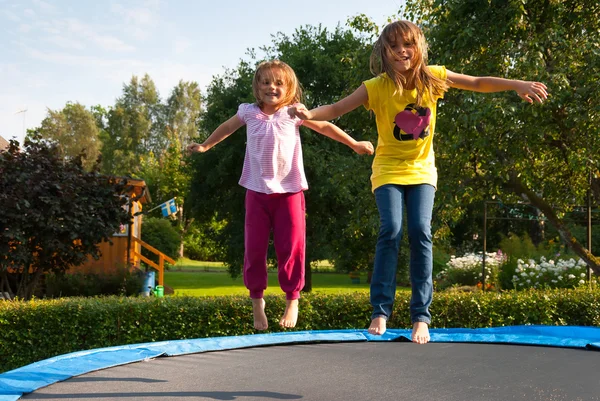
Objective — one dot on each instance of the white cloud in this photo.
(181, 45)
(64, 42)
(107, 42)
(79, 61)
(43, 6)
(11, 16)
(138, 21)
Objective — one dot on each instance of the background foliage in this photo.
(53, 214)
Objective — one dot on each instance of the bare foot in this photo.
(378, 326)
(260, 318)
(290, 315)
(420, 333)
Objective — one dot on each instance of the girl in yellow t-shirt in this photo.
(403, 95)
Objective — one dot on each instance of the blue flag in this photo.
(169, 207)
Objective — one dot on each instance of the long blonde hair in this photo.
(419, 75)
(265, 69)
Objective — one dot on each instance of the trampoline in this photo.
(505, 363)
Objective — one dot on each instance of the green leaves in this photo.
(64, 212)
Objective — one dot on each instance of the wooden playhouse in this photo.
(126, 248)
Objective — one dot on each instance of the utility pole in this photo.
(24, 111)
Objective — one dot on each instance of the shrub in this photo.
(120, 282)
(467, 270)
(160, 234)
(563, 273)
(200, 244)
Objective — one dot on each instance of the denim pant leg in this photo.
(419, 207)
(389, 199)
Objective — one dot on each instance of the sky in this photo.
(58, 51)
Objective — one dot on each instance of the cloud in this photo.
(139, 21)
(181, 45)
(64, 42)
(43, 6)
(107, 42)
(10, 15)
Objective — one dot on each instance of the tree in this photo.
(491, 145)
(73, 129)
(183, 110)
(53, 214)
(134, 126)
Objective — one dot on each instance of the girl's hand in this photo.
(363, 148)
(532, 91)
(299, 110)
(196, 147)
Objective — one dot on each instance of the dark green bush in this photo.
(200, 244)
(36, 330)
(160, 233)
(120, 282)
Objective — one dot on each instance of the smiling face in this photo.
(404, 47)
(275, 85)
(401, 54)
(272, 89)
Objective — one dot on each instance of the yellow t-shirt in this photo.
(404, 153)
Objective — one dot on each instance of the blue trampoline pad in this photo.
(518, 362)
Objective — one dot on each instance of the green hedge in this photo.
(39, 329)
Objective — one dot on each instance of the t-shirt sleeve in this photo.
(372, 93)
(241, 113)
(440, 72)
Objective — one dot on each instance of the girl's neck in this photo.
(410, 81)
(270, 109)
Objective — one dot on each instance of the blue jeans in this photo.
(418, 200)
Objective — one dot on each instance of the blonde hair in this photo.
(419, 75)
(266, 69)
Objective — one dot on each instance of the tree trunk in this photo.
(522, 190)
(307, 274)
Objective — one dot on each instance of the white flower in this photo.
(582, 275)
(581, 282)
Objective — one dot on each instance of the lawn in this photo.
(211, 278)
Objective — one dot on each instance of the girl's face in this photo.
(402, 54)
(272, 90)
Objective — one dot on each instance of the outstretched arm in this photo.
(528, 90)
(334, 132)
(222, 132)
(331, 111)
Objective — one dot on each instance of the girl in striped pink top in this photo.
(273, 175)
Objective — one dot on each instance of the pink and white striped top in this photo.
(273, 161)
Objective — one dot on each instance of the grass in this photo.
(211, 279)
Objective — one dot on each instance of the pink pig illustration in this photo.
(412, 122)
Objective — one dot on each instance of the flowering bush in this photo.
(569, 273)
(467, 270)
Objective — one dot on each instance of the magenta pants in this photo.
(285, 215)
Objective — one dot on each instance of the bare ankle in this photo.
(258, 311)
(290, 315)
(420, 333)
(378, 326)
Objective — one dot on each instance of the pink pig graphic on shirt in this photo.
(412, 123)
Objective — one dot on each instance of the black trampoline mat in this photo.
(348, 371)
